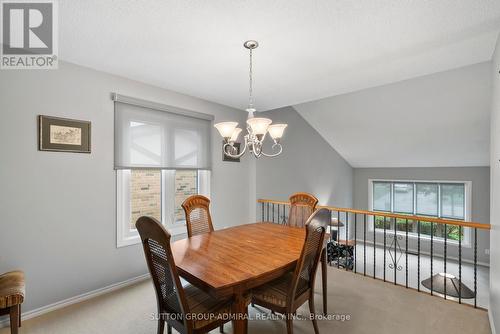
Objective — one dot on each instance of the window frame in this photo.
(466, 241)
(126, 236)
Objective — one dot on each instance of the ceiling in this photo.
(438, 120)
(309, 49)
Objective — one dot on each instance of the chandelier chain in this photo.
(250, 79)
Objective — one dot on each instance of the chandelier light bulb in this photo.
(226, 129)
(259, 125)
(276, 131)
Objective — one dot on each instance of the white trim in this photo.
(124, 236)
(204, 181)
(492, 322)
(77, 299)
(168, 197)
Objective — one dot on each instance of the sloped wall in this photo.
(307, 164)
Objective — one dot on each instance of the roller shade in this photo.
(151, 135)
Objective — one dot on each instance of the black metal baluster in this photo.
(262, 211)
(331, 240)
(355, 243)
(338, 237)
(267, 212)
(285, 218)
(418, 255)
(346, 239)
(364, 244)
(385, 233)
(475, 267)
(374, 248)
(460, 264)
(279, 220)
(444, 251)
(406, 252)
(331, 234)
(432, 257)
(395, 250)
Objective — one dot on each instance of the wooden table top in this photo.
(238, 258)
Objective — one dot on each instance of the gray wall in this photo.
(480, 206)
(495, 192)
(58, 209)
(308, 163)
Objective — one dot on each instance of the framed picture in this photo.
(236, 151)
(63, 135)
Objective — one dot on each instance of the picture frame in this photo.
(63, 134)
(226, 158)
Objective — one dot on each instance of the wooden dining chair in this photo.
(187, 309)
(12, 291)
(302, 205)
(197, 210)
(286, 294)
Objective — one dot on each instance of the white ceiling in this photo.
(309, 49)
(438, 120)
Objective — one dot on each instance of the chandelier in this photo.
(257, 127)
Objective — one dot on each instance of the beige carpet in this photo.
(373, 306)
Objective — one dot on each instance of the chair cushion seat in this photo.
(12, 289)
(274, 292)
(204, 309)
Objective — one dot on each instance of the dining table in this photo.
(230, 262)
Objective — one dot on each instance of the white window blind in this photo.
(150, 135)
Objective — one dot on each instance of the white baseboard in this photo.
(77, 299)
(492, 323)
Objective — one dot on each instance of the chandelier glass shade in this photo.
(257, 127)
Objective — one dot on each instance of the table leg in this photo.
(239, 310)
(324, 280)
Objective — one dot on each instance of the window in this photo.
(403, 197)
(453, 201)
(186, 184)
(162, 156)
(427, 199)
(447, 200)
(145, 194)
(382, 196)
(155, 193)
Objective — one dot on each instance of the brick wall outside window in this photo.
(186, 184)
(145, 193)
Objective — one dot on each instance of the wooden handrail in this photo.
(393, 215)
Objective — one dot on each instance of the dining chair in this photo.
(197, 210)
(12, 291)
(187, 309)
(302, 205)
(287, 293)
